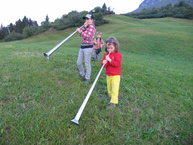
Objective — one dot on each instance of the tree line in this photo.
(26, 27)
(179, 10)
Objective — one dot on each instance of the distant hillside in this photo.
(148, 4)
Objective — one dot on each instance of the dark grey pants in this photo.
(95, 56)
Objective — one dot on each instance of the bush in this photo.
(72, 19)
(99, 19)
(30, 30)
(14, 36)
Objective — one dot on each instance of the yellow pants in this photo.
(113, 88)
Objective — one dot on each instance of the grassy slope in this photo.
(40, 97)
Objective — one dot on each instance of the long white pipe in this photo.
(78, 115)
(57, 46)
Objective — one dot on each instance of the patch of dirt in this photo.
(49, 30)
(59, 82)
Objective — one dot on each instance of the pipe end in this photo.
(75, 121)
(47, 56)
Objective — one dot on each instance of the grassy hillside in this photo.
(39, 97)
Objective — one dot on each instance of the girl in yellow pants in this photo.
(113, 88)
(112, 60)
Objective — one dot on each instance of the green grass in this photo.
(39, 97)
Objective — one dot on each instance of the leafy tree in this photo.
(97, 9)
(74, 19)
(46, 24)
(99, 19)
(30, 30)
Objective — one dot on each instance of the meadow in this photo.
(40, 97)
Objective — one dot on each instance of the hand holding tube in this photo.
(107, 58)
(78, 30)
(104, 61)
(85, 24)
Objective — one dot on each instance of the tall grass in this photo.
(39, 97)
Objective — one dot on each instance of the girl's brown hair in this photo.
(115, 43)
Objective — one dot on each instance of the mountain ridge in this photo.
(148, 4)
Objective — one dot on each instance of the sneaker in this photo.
(111, 106)
(93, 59)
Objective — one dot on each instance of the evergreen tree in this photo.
(35, 23)
(104, 7)
(30, 22)
(47, 18)
(25, 22)
(18, 27)
(2, 32)
(11, 27)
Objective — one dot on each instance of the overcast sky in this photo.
(13, 10)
